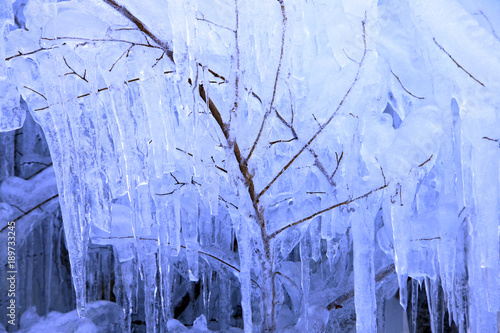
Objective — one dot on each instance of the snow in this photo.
(237, 165)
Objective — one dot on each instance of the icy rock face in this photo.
(268, 172)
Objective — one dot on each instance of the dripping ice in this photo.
(288, 166)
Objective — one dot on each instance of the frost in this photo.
(239, 165)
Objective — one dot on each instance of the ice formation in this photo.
(297, 160)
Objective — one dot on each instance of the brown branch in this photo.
(461, 211)
(221, 169)
(158, 59)
(98, 91)
(338, 159)
(494, 140)
(404, 86)
(343, 203)
(425, 239)
(168, 193)
(281, 141)
(421, 165)
(32, 209)
(356, 77)
(336, 304)
(282, 51)
(141, 26)
(184, 247)
(317, 162)
(20, 54)
(127, 51)
(216, 24)
(456, 63)
(227, 202)
(286, 123)
(216, 75)
(74, 72)
(36, 92)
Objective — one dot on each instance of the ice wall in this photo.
(298, 151)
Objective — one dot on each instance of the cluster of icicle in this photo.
(263, 140)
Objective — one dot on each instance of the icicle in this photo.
(174, 223)
(12, 114)
(245, 252)
(147, 260)
(414, 305)
(305, 257)
(315, 231)
(164, 259)
(190, 220)
(436, 305)
(225, 309)
(363, 233)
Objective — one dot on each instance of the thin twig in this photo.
(98, 91)
(276, 79)
(127, 51)
(20, 54)
(227, 202)
(404, 86)
(336, 304)
(74, 72)
(216, 24)
(36, 92)
(32, 209)
(456, 63)
(338, 159)
(343, 203)
(425, 239)
(158, 59)
(141, 26)
(421, 165)
(281, 141)
(315, 135)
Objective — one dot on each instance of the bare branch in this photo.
(336, 304)
(494, 140)
(216, 24)
(404, 86)
(456, 63)
(425, 239)
(338, 159)
(141, 26)
(343, 203)
(421, 165)
(227, 202)
(127, 51)
(36, 92)
(354, 61)
(356, 77)
(282, 51)
(20, 54)
(158, 59)
(281, 141)
(74, 72)
(32, 209)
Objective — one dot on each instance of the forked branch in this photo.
(141, 26)
(322, 127)
(343, 203)
(276, 79)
